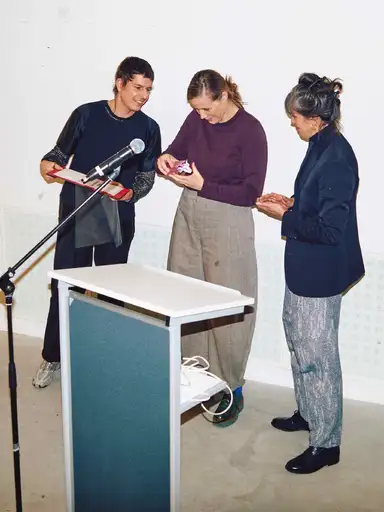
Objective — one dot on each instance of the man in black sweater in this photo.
(103, 231)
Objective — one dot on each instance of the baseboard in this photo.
(268, 372)
(259, 370)
(24, 326)
(355, 388)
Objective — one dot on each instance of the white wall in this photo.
(57, 55)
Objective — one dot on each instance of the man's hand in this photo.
(45, 167)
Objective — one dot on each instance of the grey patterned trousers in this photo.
(311, 328)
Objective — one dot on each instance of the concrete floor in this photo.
(238, 469)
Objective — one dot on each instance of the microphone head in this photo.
(137, 146)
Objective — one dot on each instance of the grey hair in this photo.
(314, 96)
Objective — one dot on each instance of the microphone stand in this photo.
(8, 287)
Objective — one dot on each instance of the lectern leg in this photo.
(175, 357)
(66, 398)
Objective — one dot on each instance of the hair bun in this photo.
(308, 80)
(316, 84)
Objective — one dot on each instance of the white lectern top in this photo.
(154, 289)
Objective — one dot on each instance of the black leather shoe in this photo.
(313, 459)
(292, 424)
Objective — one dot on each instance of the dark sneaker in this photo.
(228, 418)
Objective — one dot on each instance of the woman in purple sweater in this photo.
(213, 231)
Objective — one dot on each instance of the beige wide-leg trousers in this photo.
(215, 242)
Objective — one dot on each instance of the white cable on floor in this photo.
(195, 364)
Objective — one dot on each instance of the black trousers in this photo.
(68, 256)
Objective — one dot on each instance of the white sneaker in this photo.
(45, 373)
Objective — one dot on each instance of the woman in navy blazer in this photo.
(322, 261)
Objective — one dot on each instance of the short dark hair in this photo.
(211, 82)
(316, 96)
(131, 66)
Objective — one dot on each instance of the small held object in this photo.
(183, 168)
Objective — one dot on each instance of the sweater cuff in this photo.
(56, 156)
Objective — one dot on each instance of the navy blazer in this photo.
(322, 254)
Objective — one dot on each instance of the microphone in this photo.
(134, 148)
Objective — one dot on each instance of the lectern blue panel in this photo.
(120, 410)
